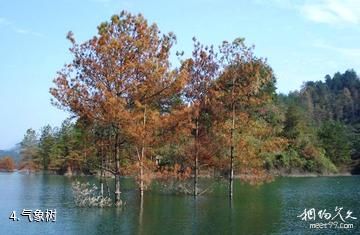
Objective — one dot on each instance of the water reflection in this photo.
(267, 209)
(141, 214)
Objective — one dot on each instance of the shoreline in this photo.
(238, 176)
(314, 175)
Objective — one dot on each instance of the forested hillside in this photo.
(328, 111)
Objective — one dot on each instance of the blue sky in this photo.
(302, 40)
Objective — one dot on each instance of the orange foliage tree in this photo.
(116, 80)
(7, 164)
(202, 71)
(242, 86)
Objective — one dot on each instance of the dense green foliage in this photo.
(322, 123)
(64, 149)
(338, 98)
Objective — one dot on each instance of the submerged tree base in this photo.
(119, 204)
(86, 195)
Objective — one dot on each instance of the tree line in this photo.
(135, 114)
(324, 116)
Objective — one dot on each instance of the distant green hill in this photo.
(13, 152)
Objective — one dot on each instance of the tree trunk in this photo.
(107, 164)
(142, 173)
(231, 176)
(101, 187)
(141, 215)
(102, 173)
(118, 201)
(142, 157)
(196, 160)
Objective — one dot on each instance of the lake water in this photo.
(267, 209)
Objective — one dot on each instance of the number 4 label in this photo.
(13, 216)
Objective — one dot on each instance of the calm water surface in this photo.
(268, 209)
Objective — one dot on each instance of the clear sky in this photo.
(303, 40)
